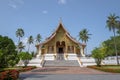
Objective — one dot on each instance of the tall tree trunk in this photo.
(18, 50)
(85, 49)
(19, 40)
(115, 47)
(28, 47)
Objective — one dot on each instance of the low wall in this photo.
(87, 61)
(111, 60)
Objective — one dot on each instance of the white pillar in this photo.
(82, 51)
(39, 52)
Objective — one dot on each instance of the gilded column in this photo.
(55, 53)
(74, 49)
(55, 50)
(46, 49)
(55, 47)
(66, 45)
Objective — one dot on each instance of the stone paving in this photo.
(65, 70)
(67, 73)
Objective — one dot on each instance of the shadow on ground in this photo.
(32, 76)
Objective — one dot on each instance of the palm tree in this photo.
(38, 38)
(112, 25)
(118, 28)
(19, 33)
(30, 41)
(20, 46)
(84, 36)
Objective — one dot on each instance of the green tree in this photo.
(112, 23)
(98, 54)
(30, 41)
(33, 54)
(118, 28)
(25, 56)
(84, 36)
(19, 33)
(21, 46)
(110, 43)
(7, 52)
(38, 38)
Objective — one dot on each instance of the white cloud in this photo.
(12, 6)
(15, 3)
(19, 1)
(44, 11)
(61, 1)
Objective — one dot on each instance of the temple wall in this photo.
(70, 46)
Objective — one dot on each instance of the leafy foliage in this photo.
(21, 46)
(84, 35)
(25, 56)
(9, 75)
(112, 24)
(110, 44)
(118, 28)
(19, 33)
(38, 38)
(30, 41)
(98, 54)
(8, 55)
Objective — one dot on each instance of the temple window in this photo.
(50, 49)
(70, 49)
(58, 43)
(63, 43)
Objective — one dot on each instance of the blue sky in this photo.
(42, 16)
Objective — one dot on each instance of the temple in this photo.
(60, 45)
(60, 49)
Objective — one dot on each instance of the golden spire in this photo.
(60, 20)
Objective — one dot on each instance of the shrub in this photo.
(9, 75)
(25, 56)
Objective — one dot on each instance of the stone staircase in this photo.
(35, 62)
(57, 63)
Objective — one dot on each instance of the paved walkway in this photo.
(65, 70)
(67, 73)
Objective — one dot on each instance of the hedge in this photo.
(9, 75)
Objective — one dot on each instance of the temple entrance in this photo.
(60, 53)
(60, 50)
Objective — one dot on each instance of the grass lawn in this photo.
(11, 68)
(114, 67)
(107, 68)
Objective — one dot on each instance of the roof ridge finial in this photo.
(60, 19)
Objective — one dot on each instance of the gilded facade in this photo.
(60, 43)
